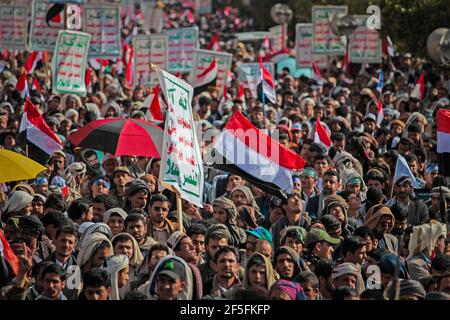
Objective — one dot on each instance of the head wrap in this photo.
(248, 194)
(260, 233)
(76, 168)
(294, 256)
(349, 268)
(299, 231)
(374, 215)
(17, 201)
(310, 172)
(292, 289)
(89, 244)
(249, 215)
(269, 274)
(388, 265)
(114, 264)
(23, 187)
(110, 212)
(407, 288)
(175, 238)
(425, 236)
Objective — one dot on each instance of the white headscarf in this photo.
(425, 236)
(114, 265)
(88, 247)
(17, 201)
(137, 258)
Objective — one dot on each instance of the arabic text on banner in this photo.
(152, 49)
(303, 48)
(102, 22)
(204, 58)
(249, 74)
(182, 45)
(365, 44)
(13, 27)
(69, 62)
(324, 40)
(181, 161)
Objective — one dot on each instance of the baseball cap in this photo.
(317, 235)
(370, 116)
(260, 233)
(296, 127)
(171, 268)
(122, 169)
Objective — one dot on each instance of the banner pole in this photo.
(180, 212)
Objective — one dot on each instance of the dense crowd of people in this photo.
(96, 227)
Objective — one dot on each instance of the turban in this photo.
(114, 265)
(292, 289)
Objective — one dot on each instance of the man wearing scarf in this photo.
(348, 274)
(381, 221)
(117, 267)
(223, 204)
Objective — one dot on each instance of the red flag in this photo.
(215, 44)
(154, 112)
(8, 254)
(380, 114)
(419, 90)
(321, 135)
(128, 60)
(33, 59)
(268, 85)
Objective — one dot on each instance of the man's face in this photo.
(214, 245)
(125, 248)
(257, 116)
(294, 204)
(339, 145)
(97, 293)
(285, 266)
(372, 183)
(219, 214)
(384, 225)
(100, 256)
(138, 230)
(250, 244)
(435, 202)
(123, 277)
(121, 178)
(155, 168)
(156, 256)
(65, 244)
(53, 285)
(138, 200)
(308, 182)
(321, 165)
(264, 248)
(294, 243)
(110, 165)
(58, 162)
(403, 149)
(275, 214)
(330, 185)
(93, 161)
(227, 265)
(168, 289)
(99, 187)
(187, 250)
(353, 187)
(37, 208)
(414, 166)
(399, 226)
(310, 291)
(239, 198)
(338, 212)
(159, 211)
(99, 211)
(326, 251)
(396, 130)
(360, 256)
(444, 285)
(369, 126)
(348, 280)
(233, 182)
(257, 276)
(198, 240)
(403, 191)
(117, 224)
(354, 201)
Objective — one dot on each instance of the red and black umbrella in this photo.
(121, 137)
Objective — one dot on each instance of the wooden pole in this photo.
(180, 212)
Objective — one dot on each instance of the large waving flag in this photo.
(419, 89)
(268, 85)
(207, 78)
(443, 141)
(246, 151)
(38, 132)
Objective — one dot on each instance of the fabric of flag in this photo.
(380, 114)
(128, 61)
(33, 59)
(443, 141)
(380, 83)
(321, 135)
(37, 131)
(268, 86)
(402, 170)
(387, 47)
(153, 105)
(8, 254)
(215, 44)
(317, 77)
(419, 89)
(244, 150)
(206, 78)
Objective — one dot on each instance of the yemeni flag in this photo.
(33, 59)
(267, 84)
(8, 255)
(55, 16)
(387, 47)
(215, 44)
(153, 106)
(317, 76)
(41, 140)
(321, 135)
(419, 89)
(244, 150)
(23, 87)
(206, 78)
(443, 141)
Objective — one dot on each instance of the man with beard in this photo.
(135, 224)
(330, 185)
(323, 271)
(319, 246)
(182, 246)
(159, 227)
(286, 263)
(54, 282)
(57, 163)
(417, 210)
(227, 266)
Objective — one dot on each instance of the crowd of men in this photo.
(100, 227)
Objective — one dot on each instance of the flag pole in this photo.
(264, 106)
(180, 212)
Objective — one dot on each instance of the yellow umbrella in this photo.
(14, 167)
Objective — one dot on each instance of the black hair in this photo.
(256, 260)
(324, 269)
(351, 244)
(378, 253)
(157, 247)
(399, 213)
(135, 295)
(55, 218)
(307, 276)
(344, 292)
(441, 264)
(106, 199)
(96, 278)
(121, 238)
(197, 228)
(331, 172)
(226, 249)
(414, 127)
(138, 211)
(56, 201)
(257, 293)
(89, 153)
(37, 269)
(66, 230)
(337, 136)
(134, 217)
(372, 294)
(157, 198)
(381, 131)
(204, 101)
(364, 232)
(215, 236)
(411, 157)
(78, 207)
(54, 268)
(323, 156)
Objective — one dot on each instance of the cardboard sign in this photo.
(324, 40)
(102, 22)
(69, 62)
(13, 27)
(303, 48)
(182, 45)
(152, 49)
(365, 44)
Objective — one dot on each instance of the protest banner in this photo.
(13, 27)
(148, 50)
(181, 161)
(153, 17)
(203, 59)
(102, 22)
(303, 48)
(182, 45)
(249, 75)
(42, 36)
(69, 62)
(324, 40)
(278, 37)
(365, 44)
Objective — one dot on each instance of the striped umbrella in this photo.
(121, 137)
